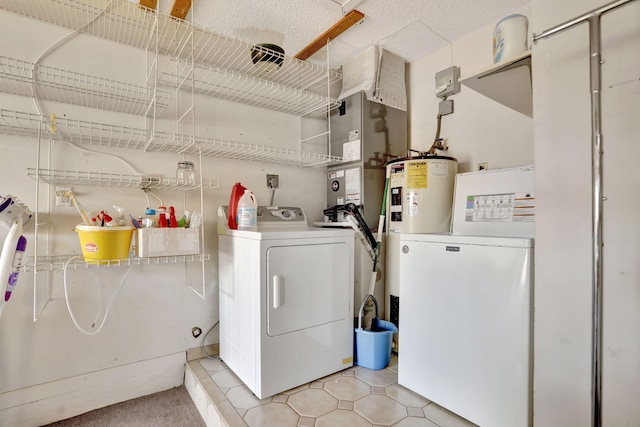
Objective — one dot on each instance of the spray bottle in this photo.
(173, 222)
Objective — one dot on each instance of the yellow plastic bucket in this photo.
(104, 243)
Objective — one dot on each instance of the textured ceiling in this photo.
(409, 28)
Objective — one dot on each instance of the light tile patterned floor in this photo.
(351, 398)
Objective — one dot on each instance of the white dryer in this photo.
(286, 297)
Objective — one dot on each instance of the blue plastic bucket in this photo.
(372, 349)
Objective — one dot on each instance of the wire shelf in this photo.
(250, 90)
(261, 153)
(131, 24)
(17, 123)
(213, 147)
(100, 134)
(104, 179)
(29, 79)
(57, 262)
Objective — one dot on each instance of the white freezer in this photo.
(465, 325)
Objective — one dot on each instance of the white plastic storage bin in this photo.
(154, 242)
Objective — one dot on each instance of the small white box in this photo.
(155, 242)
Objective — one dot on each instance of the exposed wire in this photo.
(204, 350)
(437, 141)
(50, 49)
(147, 192)
(438, 126)
(34, 86)
(126, 163)
(99, 291)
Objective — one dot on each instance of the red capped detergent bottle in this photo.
(236, 192)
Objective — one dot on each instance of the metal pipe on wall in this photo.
(596, 209)
(595, 66)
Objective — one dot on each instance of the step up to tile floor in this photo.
(352, 398)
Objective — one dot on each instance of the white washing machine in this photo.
(286, 297)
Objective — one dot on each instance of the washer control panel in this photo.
(280, 214)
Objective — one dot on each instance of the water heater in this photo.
(420, 194)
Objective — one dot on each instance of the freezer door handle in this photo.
(278, 291)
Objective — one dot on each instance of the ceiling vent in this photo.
(267, 57)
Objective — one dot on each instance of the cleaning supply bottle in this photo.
(184, 221)
(162, 217)
(149, 219)
(106, 219)
(173, 222)
(120, 218)
(236, 193)
(247, 211)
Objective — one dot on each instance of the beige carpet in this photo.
(170, 408)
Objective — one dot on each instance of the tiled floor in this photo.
(351, 398)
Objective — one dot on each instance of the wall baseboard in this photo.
(197, 353)
(58, 400)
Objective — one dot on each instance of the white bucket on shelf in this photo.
(510, 37)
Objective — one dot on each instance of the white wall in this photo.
(153, 315)
(563, 297)
(480, 129)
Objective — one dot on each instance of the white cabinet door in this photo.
(307, 285)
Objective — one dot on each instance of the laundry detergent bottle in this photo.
(236, 193)
(247, 211)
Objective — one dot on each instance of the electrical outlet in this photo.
(272, 181)
(483, 166)
(62, 197)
